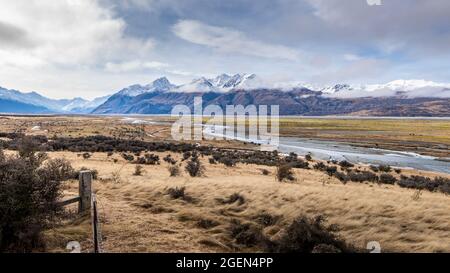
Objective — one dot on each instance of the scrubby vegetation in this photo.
(179, 193)
(194, 167)
(425, 183)
(284, 172)
(234, 198)
(306, 235)
(138, 170)
(30, 186)
(174, 170)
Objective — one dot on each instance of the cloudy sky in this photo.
(89, 48)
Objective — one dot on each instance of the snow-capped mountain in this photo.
(220, 84)
(76, 105)
(159, 85)
(80, 105)
(398, 88)
(198, 85)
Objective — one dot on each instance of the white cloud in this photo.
(230, 41)
(65, 32)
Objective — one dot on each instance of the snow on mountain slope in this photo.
(198, 85)
(402, 88)
(159, 85)
(62, 105)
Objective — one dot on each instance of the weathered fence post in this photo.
(85, 190)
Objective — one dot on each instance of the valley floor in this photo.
(137, 214)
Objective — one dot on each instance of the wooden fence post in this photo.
(85, 189)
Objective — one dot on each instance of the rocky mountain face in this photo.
(296, 102)
(397, 98)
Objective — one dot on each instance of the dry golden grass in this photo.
(137, 215)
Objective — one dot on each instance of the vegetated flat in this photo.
(138, 215)
(422, 136)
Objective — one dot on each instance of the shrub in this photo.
(128, 157)
(194, 167)
(385, 168)
(346, 164)
(387, 179)
(320, 166)
(186, 155)
(443, 184)
(284, 172)
(235, 197)
(265, 172)
(308, 157)
(266, 219)
(362, 176)
(138, 170)
(207, 223)
(179, 193)
(228, 162)
(341, 177)
(170, 160)
(30, 186)
(417, 182)
(174, 171)
(87, 155)
(245, 234)
(212, 161)
(331, 170)
(307, 235)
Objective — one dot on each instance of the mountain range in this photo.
(13, 101)
(396, 98)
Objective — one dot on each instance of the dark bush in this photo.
(207, 223)
(362, 176)
(30, 186)
(128, 157)
(179, 193)
(307, 235)
(194, 167)
(346, 164)
(385, 168)
(170, 160)
(443, 184)
(320, 166)
(331, 170)
(308, 157)
(138, 170)
(266, 219)
(174, 171)
(245, 234)
(235, 197)
(265, 172)
(87, 155)
(387, 179)
(284, 172)
(342, 177)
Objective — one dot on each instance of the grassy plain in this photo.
(138, 215)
